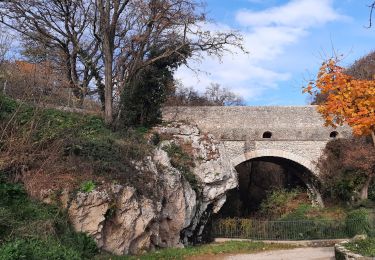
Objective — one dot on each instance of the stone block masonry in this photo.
(296, 133)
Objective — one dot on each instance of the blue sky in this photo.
(287, 41)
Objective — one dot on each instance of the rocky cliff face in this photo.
(124, 219)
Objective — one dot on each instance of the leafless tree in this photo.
(107, 29)
(215, 95)
(183, 96)
(62, 28)
(222, 96)
(5, 44)
(129, 30)
(116, 34)
(363, 68)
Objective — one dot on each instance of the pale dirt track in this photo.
(307, 253)
(304, 253)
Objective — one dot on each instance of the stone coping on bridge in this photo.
(252, 122)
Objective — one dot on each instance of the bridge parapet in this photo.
(285, 123)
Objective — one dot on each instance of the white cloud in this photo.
(266, 35)
(296, 13)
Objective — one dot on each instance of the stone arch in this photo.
(276, 153)
(309, 165)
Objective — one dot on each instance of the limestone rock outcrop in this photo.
(126, 220)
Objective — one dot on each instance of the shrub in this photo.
(346, 167)
(358, 222)
(345, 186)
(34, 249)
(7, 106)
(88, 186)
(32, 230)
(81, 243)
(280, 202)
(183, 162)
(364, 247)
(300, 213)
(145, 94)
(10, 192)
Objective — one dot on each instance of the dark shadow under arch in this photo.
(260, 175)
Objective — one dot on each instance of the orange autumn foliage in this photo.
(24, 67)
(349, 100)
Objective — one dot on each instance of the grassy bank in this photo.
(363, 247)
(50, 149)
(63, 150)
(32, 230)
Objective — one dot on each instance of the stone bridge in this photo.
(296, 133)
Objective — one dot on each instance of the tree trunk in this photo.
(108, 99)
(373, 137)
(363, 195)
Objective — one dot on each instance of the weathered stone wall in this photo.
(298, 132)
(249, 123)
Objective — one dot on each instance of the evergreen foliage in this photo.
(144, 94)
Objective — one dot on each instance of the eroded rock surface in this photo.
(124, 221)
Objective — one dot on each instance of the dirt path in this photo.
(307, 253)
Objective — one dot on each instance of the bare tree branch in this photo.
(371, 6)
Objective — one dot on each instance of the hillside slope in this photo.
(130, 191)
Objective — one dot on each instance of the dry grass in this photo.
(51, 149)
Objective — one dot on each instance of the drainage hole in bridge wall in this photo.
(333, 134)
(267, 134)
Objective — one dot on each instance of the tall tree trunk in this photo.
(363, 195)
(108, 63)
(373, 137)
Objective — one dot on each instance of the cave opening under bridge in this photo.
(257, 178)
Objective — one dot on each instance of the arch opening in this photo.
(260, 176)
(267, 135)
(333, 134)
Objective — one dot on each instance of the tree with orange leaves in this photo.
(348, 100)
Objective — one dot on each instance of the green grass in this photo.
(32, 230)
(88, 186)
(358, 222)
(231, 247)
(363, 247)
